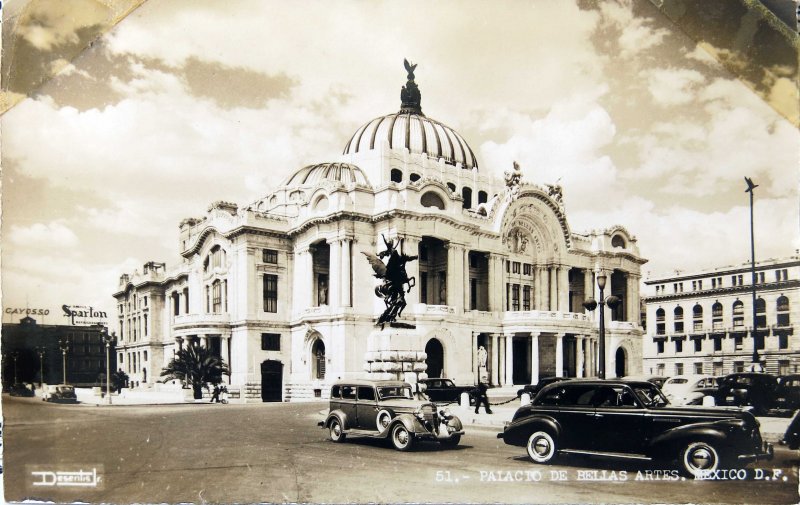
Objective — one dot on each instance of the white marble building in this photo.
(702, 322)
(281, 290)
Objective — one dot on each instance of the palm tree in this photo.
(195, 366)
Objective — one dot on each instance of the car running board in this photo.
(608, 454)
(366, 433)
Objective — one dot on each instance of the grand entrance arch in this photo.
(271, 381)
(621, 368)
(435, 359)
(318, 360)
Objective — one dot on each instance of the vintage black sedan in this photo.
(787, 394)
(445, 390)
(388, 409)
(753, 389)
(632, 419)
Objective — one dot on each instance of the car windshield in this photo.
(650, 396)
(394, 392)
(64, 389)
(676, 381)
(448, 384)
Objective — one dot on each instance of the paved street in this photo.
(276, 453)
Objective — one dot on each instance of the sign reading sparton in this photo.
(82, 315)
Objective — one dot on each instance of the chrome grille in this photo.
(429, 412)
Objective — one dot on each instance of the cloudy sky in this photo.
(184, 103)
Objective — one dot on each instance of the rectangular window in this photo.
(526, 298)
(783, 320)
(697, 325)
(678, 326)
(698, 345)
(741, 280)
(678, 346)
(515, 267)
(777, 275)
(660, 347)
(733, 280)
(700, 284)
(698, 368)
(366, 393)
(270, 342)
(270, 256)
(761, 277)
(660, 329)
(216, 297)
(738, 366)
(738, 343)
(270, 293)
(515, 297)
(508, 266)
(694, 285)
(473, 294)
(678, 368)
(783, 368)
(713, 283)
(527, 268)
(718, 343)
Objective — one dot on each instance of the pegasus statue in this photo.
(394, 279)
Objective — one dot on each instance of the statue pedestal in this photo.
(392, 354)
(483, 375)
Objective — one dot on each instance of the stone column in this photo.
(299, 301)
(579, 358)
(225, 348)
(493, 279)
(335, 273)
(455, 269)
(559, 355)
(411, 248)
(553, 278)
(465, 270)
(563, 288)
(534, 358)
(495, 362)
(509, 375)
(588, 285)
(538, 294)
(347, 280)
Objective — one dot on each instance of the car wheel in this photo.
(451, 442)
(541, 447)
(698, 458)
(383, 420)
(402, 440)
(337, 434)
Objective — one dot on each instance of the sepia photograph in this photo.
(523, 251)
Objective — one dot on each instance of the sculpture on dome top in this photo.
(512, 178)
(394, 279)
(410, 97)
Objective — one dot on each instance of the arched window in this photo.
(396, 175)
(414, 177)
(451, 187)
(482, 197)
(716, 316)
(432, 199)
(466, 194)
(618, 241)
(783, 311)
(321, 204)
(660, 325)
(678, 313)
(318, 360)
(761, 313)
(738, 314)
(697, 318)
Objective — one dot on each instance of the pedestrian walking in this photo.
(215, 394)
(481, 398)
(224, 394)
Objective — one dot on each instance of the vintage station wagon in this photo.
(632, 419)
(387, 409)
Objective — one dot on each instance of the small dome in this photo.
(410, 128)
(339, 172)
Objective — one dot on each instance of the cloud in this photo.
(673, 86)
(53, 235)
(636, 33)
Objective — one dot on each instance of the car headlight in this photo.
(445, 413)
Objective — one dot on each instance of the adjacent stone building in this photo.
(281, 289)
(702, 322)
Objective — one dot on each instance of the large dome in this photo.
(339, 172)
(410, 128)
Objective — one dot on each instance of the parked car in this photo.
(658, 380)
(444, 390)
(792, 436)
(20, 389)
(748, 389)
(61, 393)
(633, 419)
(533, 389)
(787, 395)
(387, 409)
(689, 389)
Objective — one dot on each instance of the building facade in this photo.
(281, 289)
(49, 353)
(702, 322)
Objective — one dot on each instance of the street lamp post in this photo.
(108, 340)
(40, 352)
(15, 355)
(591, 304)
(63, 344)
(756, 364)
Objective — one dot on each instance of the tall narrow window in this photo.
(716, 316)
(515, 297)
(782, 307)
(526, 298)
(660, 325)
(761, 313)
(216, 297)
(697, 318)
(678, 315)
(270, 293)
(738, 314)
